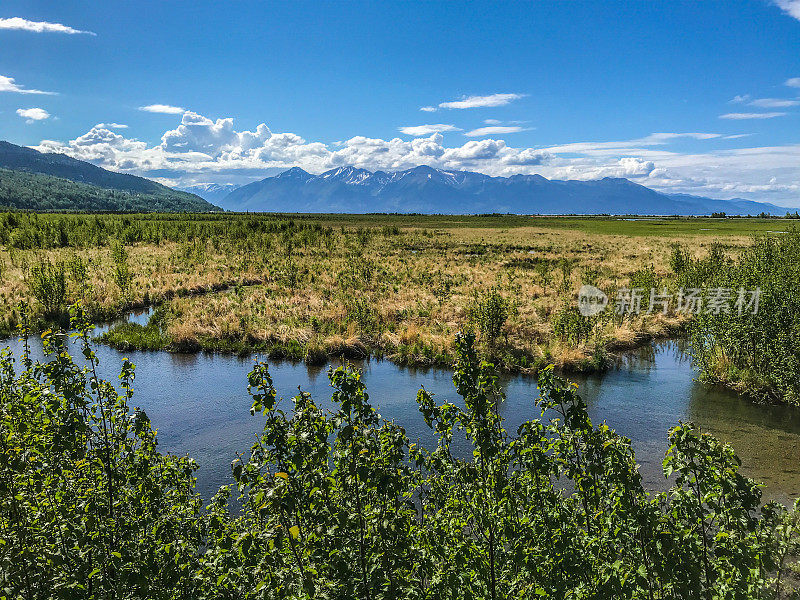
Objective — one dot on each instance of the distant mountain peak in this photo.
(211, 192)
(295, 173)
(350, 175)
(425, 169)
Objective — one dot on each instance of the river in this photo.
(199, 405)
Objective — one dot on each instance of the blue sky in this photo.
(691, 97)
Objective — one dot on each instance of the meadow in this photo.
(309, 287)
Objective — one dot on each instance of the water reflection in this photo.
(767, 437)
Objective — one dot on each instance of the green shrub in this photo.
(760, 352)
(122, 273)
(339, 504)
(571, 326)
(361, 312)
(47, 282)
(679, 259)
(489, 312)
(646, 279)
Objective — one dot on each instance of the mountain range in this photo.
(424, 189)
(47, 181)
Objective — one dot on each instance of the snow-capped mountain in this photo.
(424, 189)
(212, 192)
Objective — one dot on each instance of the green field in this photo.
(631, 226)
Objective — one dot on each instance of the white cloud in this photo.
(428, 108)
(476, 150)
(420, 130)
(493, 130)
(629, 167)
(202, 149)
(527, 157)
(111, 126)
(39, 26)
(663, 138)
(639, 146)
(7, 84)
(739, 98)
(774, 102)
(200, 134)
(492, 121)
(33, 114)
(202, 145)
(790, 7)
(165, 109)
(793, 82)
(482, 101)
(742, 116)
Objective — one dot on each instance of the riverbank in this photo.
(580, 358)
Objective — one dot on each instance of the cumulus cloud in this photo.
(8, 84)
(793, 82)
(111, 126)
(201, 149)
(165, 109)
(428, 108)
(628, 167)
(632, 167)
(20, 24)
(200, 145)
(475, 150)
(482, 101)
(420, 130)
(790, 7)
(739, 98)
(528, 157)
(493, 130)
(742, 116)
(200, 134)
(33, 114)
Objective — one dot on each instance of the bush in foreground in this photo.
(340, 505)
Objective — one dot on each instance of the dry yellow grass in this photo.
(409, 295)
(354, 291)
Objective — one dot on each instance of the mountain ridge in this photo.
(424, 189)
(36, 180)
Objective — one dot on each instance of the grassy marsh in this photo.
(308, 287)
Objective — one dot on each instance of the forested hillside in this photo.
(34, 191)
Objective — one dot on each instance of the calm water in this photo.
(199, 404)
